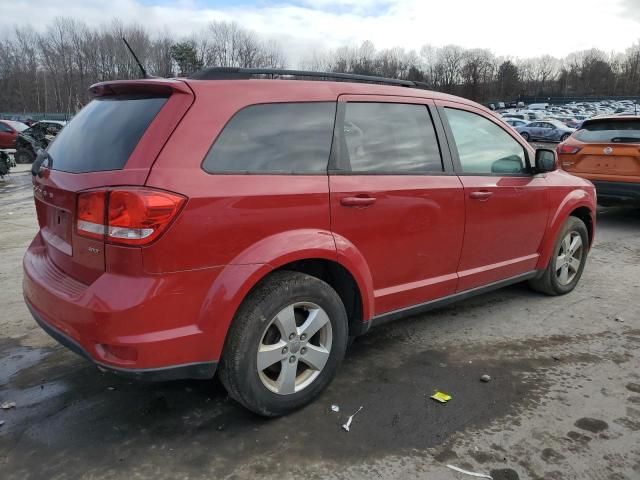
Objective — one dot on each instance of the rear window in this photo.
(104, 133)
(275, 138)
(610, 131)
(391, 138)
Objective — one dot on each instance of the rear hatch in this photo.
(113, 141)
(607, 147)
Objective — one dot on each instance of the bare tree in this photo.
(51, 70)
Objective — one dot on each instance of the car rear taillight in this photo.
(91, 213)
(126, 216)
(567, 149)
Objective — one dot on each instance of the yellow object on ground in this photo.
(441, 397)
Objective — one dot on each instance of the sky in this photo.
(516, 28)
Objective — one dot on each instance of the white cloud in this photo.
(507, 27)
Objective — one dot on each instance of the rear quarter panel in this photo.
(247, 224)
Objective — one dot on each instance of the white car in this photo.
(538, 106)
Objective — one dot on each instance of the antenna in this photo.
(135, 57)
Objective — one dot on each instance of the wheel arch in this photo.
(586, 215)
(341, 280)
(318, 254)
(577, 203)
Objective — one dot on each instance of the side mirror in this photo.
(546, 160)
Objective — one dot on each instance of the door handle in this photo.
(482, 195)
(357, 201)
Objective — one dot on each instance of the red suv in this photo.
(252, 225)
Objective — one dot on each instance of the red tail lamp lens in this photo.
(91, 211)
(134, 216)
(138, 216)
(567, 149)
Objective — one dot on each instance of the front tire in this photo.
(567, 262)
(285, 344)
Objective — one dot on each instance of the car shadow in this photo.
(67, 408)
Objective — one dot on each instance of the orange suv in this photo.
(606, 150)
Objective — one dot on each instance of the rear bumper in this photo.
(145, 326)
(202, 370)
(617, 192)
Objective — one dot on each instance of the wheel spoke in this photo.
(315, 321)
(566, 244)
(286, 322)
(270, 354)
(287, 378)
(564, 274)
(576, 243)
(560, 261)
(293, 345)
(574, 264)
(316, 357)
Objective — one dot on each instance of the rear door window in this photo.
(277, 138)
(103, 134)
(610, 131)
(391, 138)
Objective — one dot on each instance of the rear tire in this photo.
(564, 137)
(526, 136)
(24, 156)
(567, 261)
(267, 360)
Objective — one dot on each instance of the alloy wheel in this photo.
(569, 258)
(294, 348)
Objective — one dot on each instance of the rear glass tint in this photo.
(275, 138)
(104, 133)
(610, 131)
(391, 138)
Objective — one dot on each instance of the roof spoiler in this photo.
(161, 87)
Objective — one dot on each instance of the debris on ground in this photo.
(350, 419)
(556, 358)
(1, 422)
(111, 388)
(335, 408)
(441, 397)
(485, 378)
(619, 319)
(467, 472)
(8, 405)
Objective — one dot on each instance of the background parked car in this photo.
(538, 106)
(32, 139)
(9, 131)
(546, 131)
(568, 120)
(520, 116)
(606, 151)
(516, 122)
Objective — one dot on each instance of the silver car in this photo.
(516, 122)
(545, 131)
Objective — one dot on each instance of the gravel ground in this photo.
(563, 402)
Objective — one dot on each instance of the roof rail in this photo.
(232, 73)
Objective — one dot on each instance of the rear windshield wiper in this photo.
(625, 139)
(40, 158)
